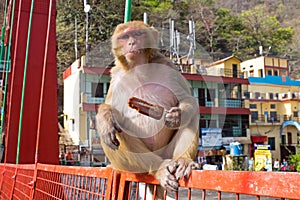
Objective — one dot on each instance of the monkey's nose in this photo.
(132, 41)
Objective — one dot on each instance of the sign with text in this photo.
(211, 137)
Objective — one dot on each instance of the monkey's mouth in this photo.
(138, 51)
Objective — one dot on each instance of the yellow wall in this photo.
(218, 69)
(259, 63)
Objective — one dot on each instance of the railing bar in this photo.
(189, 193)
(219, 195)
(84, 186)
(155, 192)
(203, 194)
(51, 185)
(165, 194)
(257, 197)
(237, 196)
(137, 191)
(98, 189)
(75, 187)
(79, 188)
(145, 190)
(68, 181)
(129, 190)
(87, 188)
(94, 186)
(105, 183)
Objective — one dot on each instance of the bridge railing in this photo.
(69, 182)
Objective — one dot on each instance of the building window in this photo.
(295, 113)
(211, 94)
(253, 106)
(97, 90)
(247, 95)
(251, 73)
(271, 95)
(271, 142)
(272, 106)
(283, 72)
(276, 73)
(273, 116)
(257, 95)
(260, 73)
(283, 139)
(234, 70)
(269, 72)
(290, 141)
(254, 116)
(284, 96)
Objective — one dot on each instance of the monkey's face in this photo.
(132, 41)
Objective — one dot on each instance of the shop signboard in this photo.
(211, 137)
(262, 158)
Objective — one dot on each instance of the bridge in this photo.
(30, 168)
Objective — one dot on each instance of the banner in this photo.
(262, 159)
(211, 137)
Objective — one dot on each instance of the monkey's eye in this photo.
(138, 33)
(123, 37)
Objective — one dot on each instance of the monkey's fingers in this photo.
(172, 167)
(172, 185)
(111, 140)
(168, 180)
(173, 118)
(190, 167)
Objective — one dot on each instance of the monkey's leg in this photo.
(132, 155)
(184, 148)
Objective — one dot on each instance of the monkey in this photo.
(163, 145)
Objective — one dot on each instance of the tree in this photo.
(266, 31)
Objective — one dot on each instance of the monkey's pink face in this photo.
(132, 41)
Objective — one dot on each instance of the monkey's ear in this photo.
(153, 38)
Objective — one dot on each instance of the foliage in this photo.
(264, 30)
(222, 27)
(295, 159)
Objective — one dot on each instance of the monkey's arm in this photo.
(107, 127)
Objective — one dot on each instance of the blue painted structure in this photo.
(273, 80)
(289, 123)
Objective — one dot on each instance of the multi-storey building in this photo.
(223, 113)
(274, 104)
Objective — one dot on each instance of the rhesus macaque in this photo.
(149, 121)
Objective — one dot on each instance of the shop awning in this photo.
(258, 139)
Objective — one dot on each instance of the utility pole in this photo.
(76, 40)
(87, 9)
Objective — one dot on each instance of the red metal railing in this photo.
(84, 183)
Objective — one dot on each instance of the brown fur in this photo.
(141, 150)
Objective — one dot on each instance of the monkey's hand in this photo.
(107, 128)
(173, 118)
(184, 167)
(166, 175)
(109, 136)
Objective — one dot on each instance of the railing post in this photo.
(115, 185)
(2, 176)
(14, 182)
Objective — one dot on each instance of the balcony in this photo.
(277, 119)
(230, 103)
(224, 72)
(89, 98)
(272, 96)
